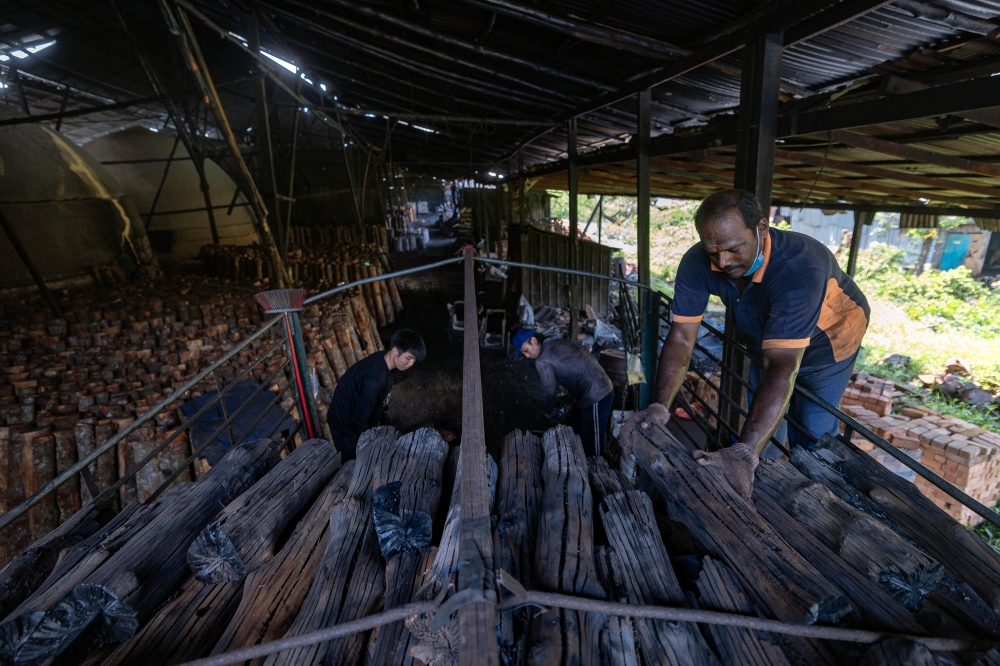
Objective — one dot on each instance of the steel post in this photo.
(574, 244)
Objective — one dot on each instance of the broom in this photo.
(288, 302)
(279, 301)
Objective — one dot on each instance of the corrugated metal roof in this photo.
(458, 58)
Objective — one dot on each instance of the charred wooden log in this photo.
(408, 490)
(877, 607)
(342, 593)
(564, 555)
(861, 482)
(649, 579)
(519, 500)
(152, 563)
(900, 568)
(77, 562)
(27, 571)
(273, 593)
(900, 652)
(618, 644)
(718, 591)
(241, 539)
(780, 582)
(438, 645)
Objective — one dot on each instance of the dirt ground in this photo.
(432, 390)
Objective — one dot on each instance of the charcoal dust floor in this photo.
(432, 390)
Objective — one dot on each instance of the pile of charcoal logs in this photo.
(829, 538)
(66, 386)
(318, 258)
(259, 549)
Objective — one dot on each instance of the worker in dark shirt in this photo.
(801, 317)
(567, 363)
(362, 394)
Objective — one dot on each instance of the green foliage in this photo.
(940, 299)
(782, 225)
(989, 533)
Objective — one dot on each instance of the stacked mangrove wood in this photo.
(830, 537)
(318, 260)
(66, 386)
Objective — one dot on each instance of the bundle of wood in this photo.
(195, 547)
(312, 265)
(830, 537)
(68, 386)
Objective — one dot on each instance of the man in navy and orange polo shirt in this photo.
(801, 317)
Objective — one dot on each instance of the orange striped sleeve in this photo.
(681, 319)
(796, 343)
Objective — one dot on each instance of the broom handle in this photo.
(297, 374)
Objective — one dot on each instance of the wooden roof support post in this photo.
(650, 304)
(861, 218)
(180, 26)
(522, 205)
(754, 172)
(574, 244)
(643, 141)
(477, 619)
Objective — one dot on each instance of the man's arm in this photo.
(674, 359)
(770, 399)
(547, 376)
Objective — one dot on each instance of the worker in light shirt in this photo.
(801, 317)
(566, 363)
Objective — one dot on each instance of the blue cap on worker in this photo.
(521, 336)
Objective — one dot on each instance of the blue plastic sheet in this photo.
(274, 421)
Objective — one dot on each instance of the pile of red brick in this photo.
(872, 393)
(964, 454)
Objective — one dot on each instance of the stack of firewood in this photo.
(68, 386)
(318, 258)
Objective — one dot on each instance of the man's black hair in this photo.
(406, 340)
(724, 201)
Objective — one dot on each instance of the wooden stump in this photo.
(335, 355)
(779, 581)
(342, 593)
(519, 500)
(649, 579)
(38, 467)
(273, 593)
(863, 479)
(241, 539)
(416, 462)
(564, 555)
(68, 494)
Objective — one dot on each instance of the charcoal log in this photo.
(274, 592)
(780, 582)
(242, 538)
(859, 480)
(342, 593)
(564, 555)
